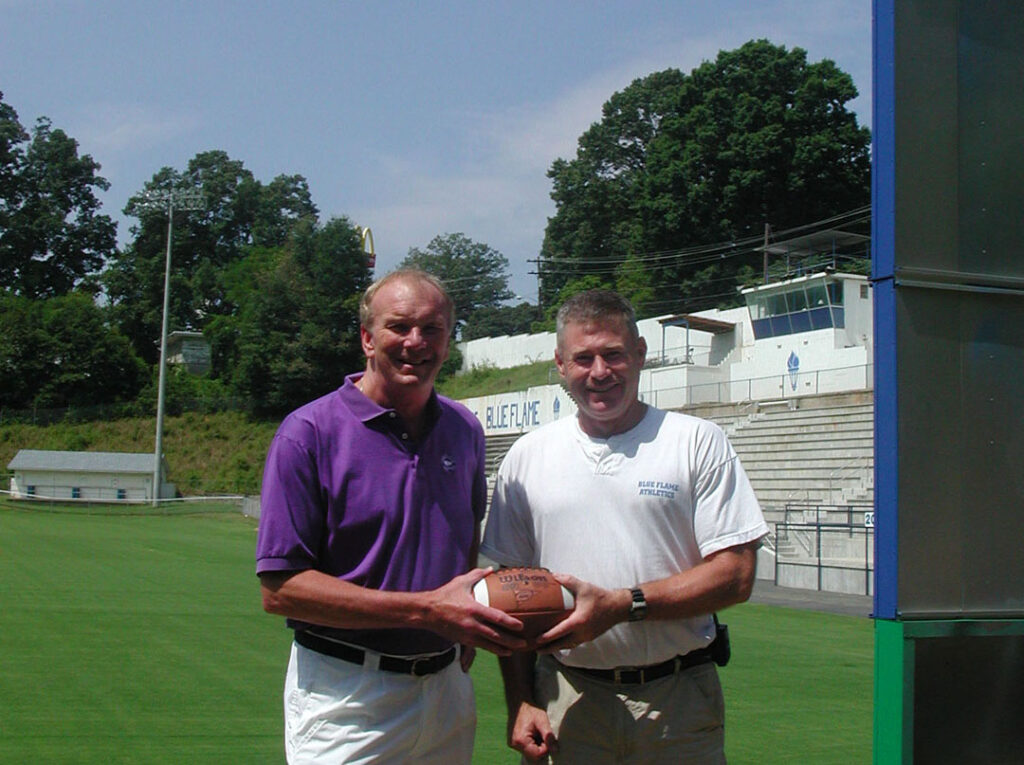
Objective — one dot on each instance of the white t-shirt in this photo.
(636, 507)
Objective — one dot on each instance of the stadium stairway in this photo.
(810, 450)
(815, 450)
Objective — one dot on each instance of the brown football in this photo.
(531, 595)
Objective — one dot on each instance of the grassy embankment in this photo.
(220, 453)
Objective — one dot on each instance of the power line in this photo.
(697, 254)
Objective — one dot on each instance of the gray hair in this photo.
(405, 275)
(601, 306)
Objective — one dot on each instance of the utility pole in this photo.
(183, 200)
(767, 230)
(540, 309)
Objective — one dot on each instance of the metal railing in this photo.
(818, 514)
(813, 538)
(852, 469)
(772, 387)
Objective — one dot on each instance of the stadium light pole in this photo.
(183, 200)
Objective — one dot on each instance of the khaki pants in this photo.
(675, 719)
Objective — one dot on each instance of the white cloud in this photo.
(114, 129)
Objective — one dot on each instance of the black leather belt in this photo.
(418, 666)
(638, 675)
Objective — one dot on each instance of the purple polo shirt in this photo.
(346, 492)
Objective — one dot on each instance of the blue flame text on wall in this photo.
(515, 415)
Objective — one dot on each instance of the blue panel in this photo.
(883, 143)
(801, 321)
(762, 328)
(780, 325)
(838, 317)
(883, 253)
(886, 443)
(821, 318)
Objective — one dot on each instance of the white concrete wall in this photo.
(727, 367)
(515, 350)
(859, 313)
(521, 411)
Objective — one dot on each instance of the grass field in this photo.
(140, 639)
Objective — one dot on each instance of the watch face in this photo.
(638, 608)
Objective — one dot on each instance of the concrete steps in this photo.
(817, 449)
(800, 450)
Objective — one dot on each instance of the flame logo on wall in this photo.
(793, 365)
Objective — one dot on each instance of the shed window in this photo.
(76, 493)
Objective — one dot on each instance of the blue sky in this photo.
(412, 118)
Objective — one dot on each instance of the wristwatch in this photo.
(638, 608)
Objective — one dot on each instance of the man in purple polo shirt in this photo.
(369, 527)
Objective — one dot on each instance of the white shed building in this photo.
(85, 475)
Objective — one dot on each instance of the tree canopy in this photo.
(60, 351)
(474, 273)
(757, 136)
(295, 331)
(237, 212)
(51, 232)
(494, 321)
(275, 290)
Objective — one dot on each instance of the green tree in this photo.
(757, 136)
(51, 233)
(636, 284)
(494, 321)
(295, 332)
(475, 274)
(572, 287)
(60, 352)
(238, 213)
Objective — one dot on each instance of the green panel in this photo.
(893, 702)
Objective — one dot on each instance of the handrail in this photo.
(822, 563)
(848, 509)
(858, 377)
(839, 471)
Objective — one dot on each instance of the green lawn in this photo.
(141, 640)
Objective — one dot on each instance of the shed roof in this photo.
(81, 462)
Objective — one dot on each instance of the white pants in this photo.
(339, 712)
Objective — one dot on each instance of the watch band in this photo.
(638, 608)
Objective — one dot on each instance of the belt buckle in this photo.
(623, 675)
(420, 666)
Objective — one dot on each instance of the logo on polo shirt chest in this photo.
(657, 489)
(447, 463)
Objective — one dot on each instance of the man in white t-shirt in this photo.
(648, 517)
